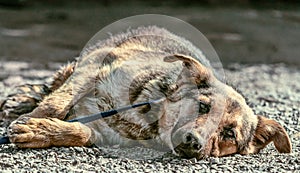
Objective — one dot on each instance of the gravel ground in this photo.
(272, 90)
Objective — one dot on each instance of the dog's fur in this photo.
(198, 114)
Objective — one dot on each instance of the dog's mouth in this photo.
(183, 151)
(191, 145)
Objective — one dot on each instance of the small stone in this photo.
(193, 160)
(78, 149)
(214, 160)
(75, 162)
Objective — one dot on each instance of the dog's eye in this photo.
(228, 133)
(203, 108)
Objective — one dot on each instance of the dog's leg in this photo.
(43, 127)
(27, 97)
(23, 100)
(45, 132)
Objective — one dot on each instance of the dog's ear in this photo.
(271, 131)
(194, 68)
(188, 62)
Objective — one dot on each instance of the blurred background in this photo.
(241, 31)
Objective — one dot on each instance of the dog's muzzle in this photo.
(187, 144)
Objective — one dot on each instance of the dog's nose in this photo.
(190, 139)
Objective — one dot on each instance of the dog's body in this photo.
(197, 116)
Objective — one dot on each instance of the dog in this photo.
(198, 115)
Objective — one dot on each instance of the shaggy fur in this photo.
(198, 114)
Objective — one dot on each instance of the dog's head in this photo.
(205, 117)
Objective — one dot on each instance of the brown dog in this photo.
(198, 114)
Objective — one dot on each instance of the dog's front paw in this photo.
(31, 132)
(45, 132)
